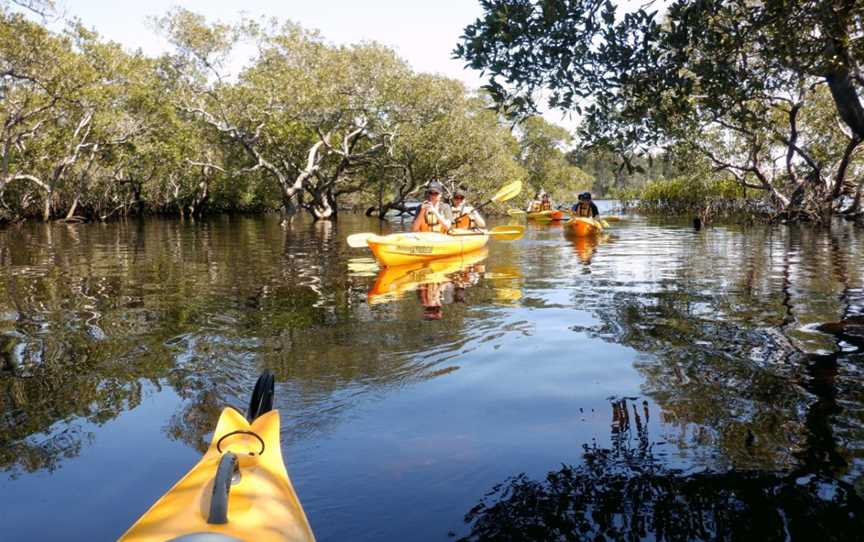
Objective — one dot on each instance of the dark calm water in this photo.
(657, 383)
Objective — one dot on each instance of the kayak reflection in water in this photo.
(585, 246)
(393, 282)
(431, 295)
(434, 295)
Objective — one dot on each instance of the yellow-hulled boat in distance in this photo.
(239, 490)
(418, 247)
(582, 227)
(393, 281)
(547, 216)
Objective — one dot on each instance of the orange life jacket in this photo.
(465, 221)
(584, 210)
(430, 223)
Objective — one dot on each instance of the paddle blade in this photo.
(359, 240)
(612, 218)
(508, 191)
(516, 212)
(603, 223)
(507, 233)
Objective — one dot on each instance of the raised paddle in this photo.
(508, 191)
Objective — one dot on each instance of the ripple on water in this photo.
(554, 352)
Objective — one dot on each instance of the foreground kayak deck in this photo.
(261, 505)
(418, 247)
(581, 227)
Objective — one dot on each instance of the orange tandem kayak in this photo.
(583, 227)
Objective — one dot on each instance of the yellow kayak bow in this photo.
(239, 490)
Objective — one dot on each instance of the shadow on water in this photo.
(626, 493)
(91, 315)
(774, 422)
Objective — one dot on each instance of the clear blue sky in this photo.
(423, 33)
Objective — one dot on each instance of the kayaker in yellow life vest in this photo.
(541, 203)
(433, 215)
(466, 216)
(585, 208)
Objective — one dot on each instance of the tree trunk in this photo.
(74, 206)
(289, 208)
(46, 209)
(139, 202)
(323, 206)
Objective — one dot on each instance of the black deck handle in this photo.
(221, 489)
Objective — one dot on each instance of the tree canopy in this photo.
(91, 130)
(750, 85)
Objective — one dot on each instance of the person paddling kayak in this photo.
(467, 217)
(541, 203)
(585, 208)
(433, 215)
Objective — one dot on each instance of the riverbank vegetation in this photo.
(92, 131)
(768, 94)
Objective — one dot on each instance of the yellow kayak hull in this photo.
(583, 227)
(262, 505)
(393, 281)
(547, 216)
(418, 247)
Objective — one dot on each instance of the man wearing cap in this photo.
(433, 215)
(585, 208)
(467, 217)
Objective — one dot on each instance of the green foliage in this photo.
(94, 131)
(740, 82)
(542, 155)
(682, 193)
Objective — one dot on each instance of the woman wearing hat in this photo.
(585, 208)
(433, 215)
(467, 217)
(541, 203)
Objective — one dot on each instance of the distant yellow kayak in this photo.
(418, 247)
(239, 490)
(582, 227)
(393, 281)
(547, 216)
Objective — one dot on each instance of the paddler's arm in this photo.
(445, 215)
(481, 223)
(418, 218)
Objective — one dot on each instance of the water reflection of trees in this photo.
(745, 371)
(90, 314)
(626, 493)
